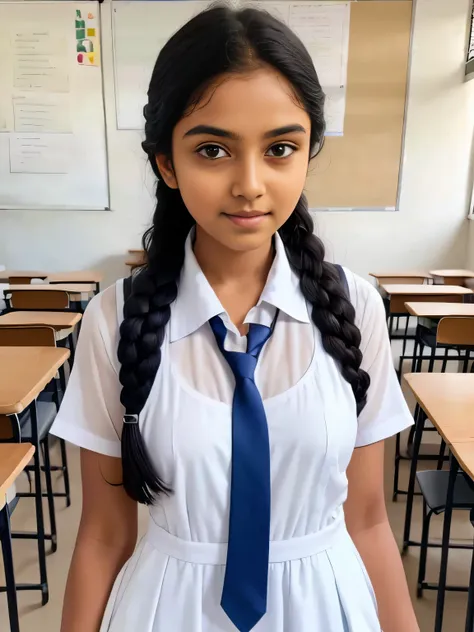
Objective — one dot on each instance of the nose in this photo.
(249, 180)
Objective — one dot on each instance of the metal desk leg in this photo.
(419, 427)
(5, 536)
(443, 570)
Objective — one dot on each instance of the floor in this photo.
(34, 618)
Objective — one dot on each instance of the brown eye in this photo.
(281, 150)
(212, 152)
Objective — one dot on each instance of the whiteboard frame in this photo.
(107, 170)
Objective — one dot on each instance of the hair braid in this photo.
(332, 312)
(146, 314)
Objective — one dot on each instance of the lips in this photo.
(248, 214)
(247, 219)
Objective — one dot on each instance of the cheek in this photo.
(202, 190)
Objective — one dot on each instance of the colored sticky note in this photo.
(90, 32)
(80, 34)
(80, 47)
(80, 58)
(91, 57)
(90, 16)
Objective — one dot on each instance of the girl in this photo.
(263, 515)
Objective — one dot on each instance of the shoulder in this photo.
(365, 298)
(102, 318)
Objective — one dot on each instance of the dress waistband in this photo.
(215, 554)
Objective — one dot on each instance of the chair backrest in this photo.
(39, 299)
(9, 428)
(20, 280)
(397, 301)
(456, 330)
(27, 336)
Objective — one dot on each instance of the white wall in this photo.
(430, 229)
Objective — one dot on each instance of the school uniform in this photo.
(173, 582)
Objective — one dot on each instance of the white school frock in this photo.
(173, 582)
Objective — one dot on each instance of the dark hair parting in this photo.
(219, 40)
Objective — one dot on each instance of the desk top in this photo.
(81, 276)
(401, 274)
(429, 290)
(440, 310)
(134, 251)
(32, 274)
(14, 457)
(70, 288)
(56, 320)
(24, 372)
(448, 400)
(466, 274)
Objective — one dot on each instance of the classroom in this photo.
(296, 336)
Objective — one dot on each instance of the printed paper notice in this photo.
(45, 113)
(39, 61)
(40, 153)
(324, 30)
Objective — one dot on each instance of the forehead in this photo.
(248, 103)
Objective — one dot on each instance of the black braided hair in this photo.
(219, 40)
(332, 312)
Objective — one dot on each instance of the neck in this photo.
(237, 277)
(221, 265)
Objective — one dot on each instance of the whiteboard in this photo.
(52, 122)
(141, 28)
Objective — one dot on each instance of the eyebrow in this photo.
(209, 130)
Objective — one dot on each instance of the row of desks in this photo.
(448, 401)
(82, 276)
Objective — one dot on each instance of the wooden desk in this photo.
(401, 276)
(85, 276)
(70, 288)
(14, 457)
(32, 274)
(24, 372)
(401, 294)
(439, 310)
(56, 320)
(448, 400)
(464, 453)
(453, 277)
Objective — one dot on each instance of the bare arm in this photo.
(368, 525)
(106, 539)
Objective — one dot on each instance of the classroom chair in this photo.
(434, 486)
(48, 300)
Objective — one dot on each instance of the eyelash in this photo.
(214, 146)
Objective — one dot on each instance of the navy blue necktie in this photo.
(244, 597)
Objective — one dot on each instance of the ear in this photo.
(165, 166)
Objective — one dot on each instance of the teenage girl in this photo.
(241, 386)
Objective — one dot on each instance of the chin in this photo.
(248, 240)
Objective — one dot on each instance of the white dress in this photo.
(174, 580)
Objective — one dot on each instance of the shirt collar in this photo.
(197, 302)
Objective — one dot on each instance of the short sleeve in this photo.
(91, 412)
(386, 412)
